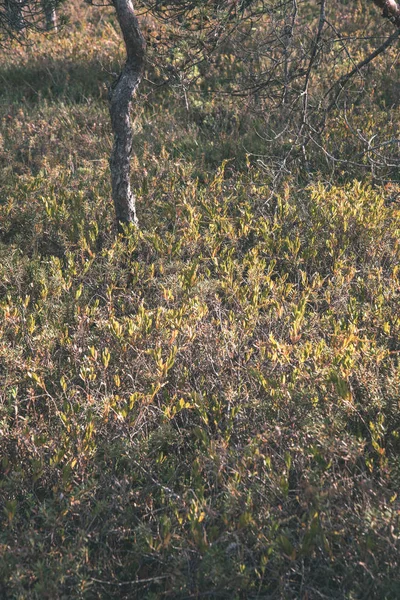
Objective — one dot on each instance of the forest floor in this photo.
(208, 407)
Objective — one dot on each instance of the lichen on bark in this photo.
(121, 94)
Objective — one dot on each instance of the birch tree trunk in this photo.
(120, 96)
(391, 10)
(50, 15)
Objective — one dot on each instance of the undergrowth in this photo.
(209, 405)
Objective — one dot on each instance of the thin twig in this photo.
(342, 82)
(133, 582)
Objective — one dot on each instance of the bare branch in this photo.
(343, 81)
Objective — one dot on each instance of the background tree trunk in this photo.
(120, 96)
(50, 15)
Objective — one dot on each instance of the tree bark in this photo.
(120, 96)
(50, 15)
(391, 10)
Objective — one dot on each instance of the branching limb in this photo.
(344, 80)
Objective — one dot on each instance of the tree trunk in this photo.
(391, 10)
(50, 15)
(120, 95)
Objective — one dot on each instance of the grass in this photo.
(209, 407)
